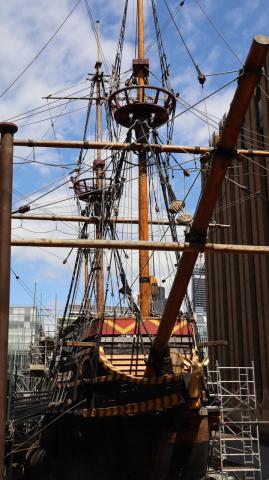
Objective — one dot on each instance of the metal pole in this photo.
(220, 162)
(134, 147)
(140, 245)
(7, 131)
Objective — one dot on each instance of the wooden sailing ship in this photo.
(129, 398)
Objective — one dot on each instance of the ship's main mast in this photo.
(140, 107)
(144, 283)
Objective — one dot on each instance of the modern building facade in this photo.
(198, 291)
(199, 286)
(23, 326)
(237, 285)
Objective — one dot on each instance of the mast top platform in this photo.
(157, 105)
(86, 190)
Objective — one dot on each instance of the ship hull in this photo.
(167, 445)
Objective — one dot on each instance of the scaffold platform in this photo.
(234, 444)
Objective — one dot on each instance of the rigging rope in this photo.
(164, 27)
(116, 68)
(201, 77)
(31, 293)
(218, 31)
(93, 83)
(95, 33)
(40, 51)
(162, 55)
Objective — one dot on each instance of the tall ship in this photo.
(129, 397)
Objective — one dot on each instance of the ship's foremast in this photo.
(98, 166)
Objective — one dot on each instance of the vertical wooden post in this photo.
(144, 285)
(7, 131)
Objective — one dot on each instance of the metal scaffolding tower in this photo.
(235, 449)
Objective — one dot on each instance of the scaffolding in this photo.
(234, 449)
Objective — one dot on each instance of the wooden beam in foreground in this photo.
(94, 220)
(139, 245)
(137, 147)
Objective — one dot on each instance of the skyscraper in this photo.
(198, 289)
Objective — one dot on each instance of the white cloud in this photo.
(70, 57)
(191, 130)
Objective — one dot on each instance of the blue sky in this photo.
(66, 61)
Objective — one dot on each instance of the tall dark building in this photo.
(238, 285)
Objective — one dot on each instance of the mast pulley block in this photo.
(176, 206)
(201, 78)
(184, 219)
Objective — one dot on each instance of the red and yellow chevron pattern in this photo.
(126, 326)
